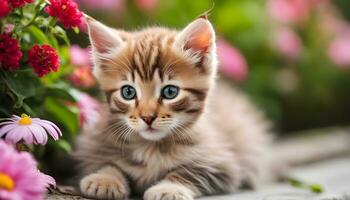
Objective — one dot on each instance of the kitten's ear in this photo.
(102, 38)
(199, 36)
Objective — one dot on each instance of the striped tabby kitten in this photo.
(170, 133)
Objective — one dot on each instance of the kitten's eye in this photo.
(128, 92)
(170, 92)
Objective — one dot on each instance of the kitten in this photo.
(171, 133)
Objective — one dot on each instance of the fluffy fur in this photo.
(207, 140)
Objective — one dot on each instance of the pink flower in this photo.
(79, 56)
(19, 176)
(232, 62)
(66, 11)
(89, 110)
(287, 43)
(8, 28)
(31, 130)
(83, 25)
(82, 77)
(147, 5)
(288, 11)
(102, 4)
(339, 51)
(48, 180)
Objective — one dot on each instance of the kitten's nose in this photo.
(148, 119)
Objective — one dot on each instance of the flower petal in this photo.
(51, 130)
(54, 126)
(48, 180)
(7, 127)
(38, 133)
(28, 137)
(15, 135)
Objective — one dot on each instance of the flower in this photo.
(43, 59)
(83, 25)
(339, 51)
(288, 11)
(102, 4)
(79, 56)
(232, 62)
(287, 43)
(10, 52)
(82, 77)
(8, 28)
(31, 130)
(48, 180)
(147, 4)
(4, 8)
(89, 109)
(66, 11)
(19, 176)
(19, 3)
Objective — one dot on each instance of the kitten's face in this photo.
(156, 80)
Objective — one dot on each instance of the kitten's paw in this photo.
(168, 191)
(102, 186)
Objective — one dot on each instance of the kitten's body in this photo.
(208, 140)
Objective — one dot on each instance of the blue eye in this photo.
(128, 92)
(170, 92)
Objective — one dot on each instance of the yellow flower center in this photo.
(6, 182)
(25, 120)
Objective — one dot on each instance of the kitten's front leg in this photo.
(107, 183)
(189, 182)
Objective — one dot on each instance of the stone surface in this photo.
(320, 157)
(333, 175)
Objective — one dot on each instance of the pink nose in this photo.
(148, 119)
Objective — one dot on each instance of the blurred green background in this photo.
(291, 56)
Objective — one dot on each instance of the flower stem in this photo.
(35, 16)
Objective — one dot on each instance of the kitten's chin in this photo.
(153, 135)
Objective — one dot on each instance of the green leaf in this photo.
(54, 42)
(64, 145)
(39, 35)
(76, 30)
(296, 183)
(60, 90)
(22, 84)
(61, 33)
(316, 188)
(62, 114)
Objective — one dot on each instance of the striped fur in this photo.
(207, 140)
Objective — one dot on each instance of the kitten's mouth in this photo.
(151, 130)
(152, 134)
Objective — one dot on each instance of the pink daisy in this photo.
(19, 176)
(31, 130)
(90, 110)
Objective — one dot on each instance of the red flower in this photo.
(66, 11)
(4, 8)
(10, 52)
(43, 59)
(19, 3)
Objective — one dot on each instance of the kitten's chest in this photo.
(148, 164)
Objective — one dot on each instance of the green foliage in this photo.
(315, 188)
(49, 97)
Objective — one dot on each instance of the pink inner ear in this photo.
(103, 39)
(200, 37)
